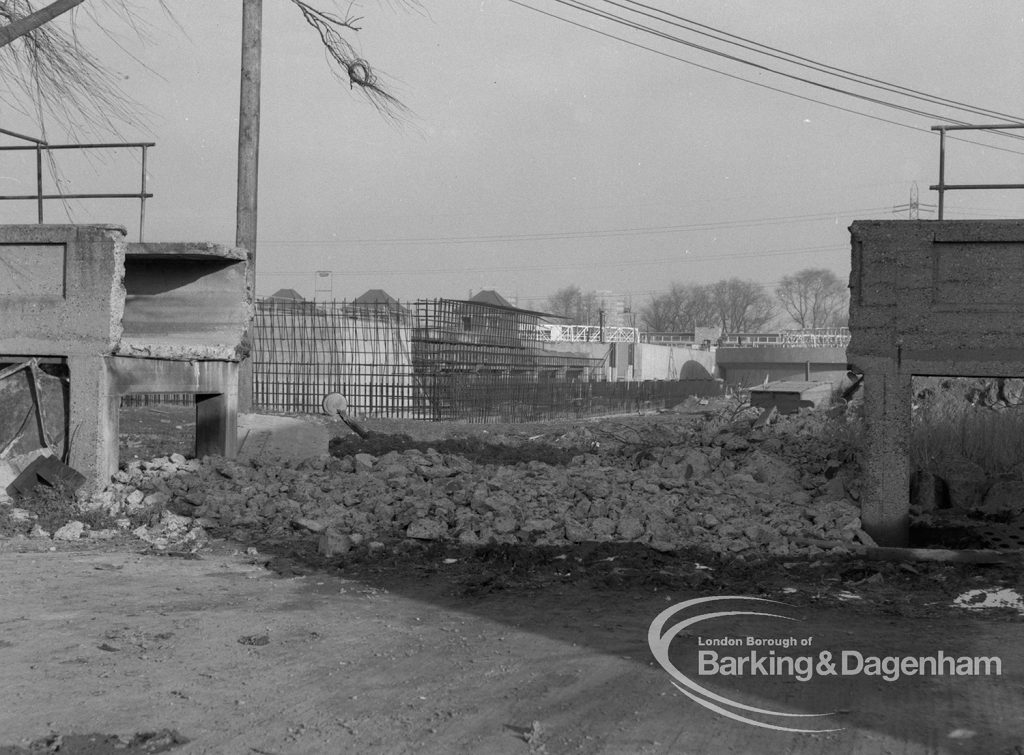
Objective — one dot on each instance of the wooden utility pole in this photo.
(248, 166)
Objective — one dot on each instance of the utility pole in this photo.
(914, 208)
(248, 167)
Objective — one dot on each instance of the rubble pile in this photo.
(729, 489)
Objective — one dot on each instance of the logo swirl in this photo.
(659, 638)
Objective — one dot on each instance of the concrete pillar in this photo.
(885, 496)
(93, 430)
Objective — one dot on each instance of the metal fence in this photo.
(481, 362)
(304, 350)
(438, 359)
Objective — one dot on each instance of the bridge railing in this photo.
(838, 338)
(587, 334)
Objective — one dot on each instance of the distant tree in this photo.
(662, 313)
(742, 306)
(699, 309)
(680, 309)
(576, 306)
(735, 305)
(814, 298)
(565, 301)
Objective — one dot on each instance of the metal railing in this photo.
(587, 334)
(942, 187)
(39, 146)
(818, 338)
(810, 337)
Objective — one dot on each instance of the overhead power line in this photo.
(582, 6)
(632, 263)
(671, 38)
(779, 54)
(584, 234)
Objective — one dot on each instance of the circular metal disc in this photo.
(334, 404)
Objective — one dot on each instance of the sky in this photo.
(536, 154)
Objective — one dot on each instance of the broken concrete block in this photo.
(576, 532)
(630, 528)
(1004, 496)
(174, 523)
(48, 470)
(71, 531)
(156, 500)
(333, 543)
(20, 516)
(503, 525)
(427, 529)
(103, 501)
(1012, 391)
(8, 473)
(364, 462)
(967, 483)
(539, 525)
(308, 524)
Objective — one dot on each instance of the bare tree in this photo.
(700, 309)
(662, 313)
(685, 307)
(679, 309)
(742, 306)
(18, 27)
(813, 298)
(49, 75)
(572, 303)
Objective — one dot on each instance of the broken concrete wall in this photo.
(185, 301)
(939, 298)
(61, 289)
(927, 298)
(63, 295)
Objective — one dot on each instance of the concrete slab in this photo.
(789, 396)
(265, 436)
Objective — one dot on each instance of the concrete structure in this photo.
(126, 318)
(645, 361)
(927, 298)
(791, 396)
(272, 439)
(756, 365)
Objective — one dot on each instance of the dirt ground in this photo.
(251, 646)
